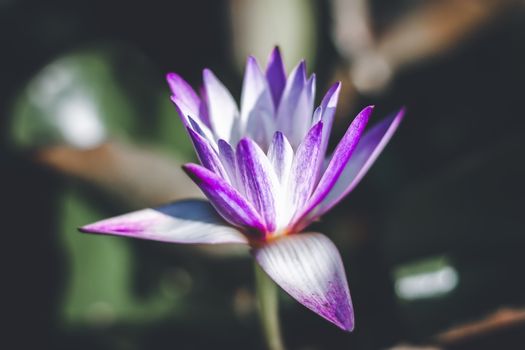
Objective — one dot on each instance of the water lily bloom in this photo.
(265, 173)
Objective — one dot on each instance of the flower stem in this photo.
(268, 309)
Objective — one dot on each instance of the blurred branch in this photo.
(501, 319)
(426, 30)
(136, 175)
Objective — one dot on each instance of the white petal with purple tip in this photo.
(222, 108)
(293, 93)
(303, 173)
(183, 95)
(227, 157)
(260, 183)
(308, 267)
(228, 202)
(340, 158)
(188, 221)
(207, 154)
(368, 149)
(257, 111)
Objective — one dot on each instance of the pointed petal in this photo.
(221, 106)
(340, 158)
(303, 174)
(276, 76)
(369, 148)
(228, 202)
(326, 112)
(280, 155)
(202, 130)
(310, 92)
(260, 183)
(308, 267)
(291, 104)
(184, 96)
(207, 155)
(188, 221)
(257, 112)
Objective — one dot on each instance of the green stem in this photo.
(268, 309)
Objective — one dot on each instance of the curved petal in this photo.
(188, 221)
(280, 155)
(228, 202)
(304, 172)
(227, 157)
(260, 184)
(276, 76)
(221, 106)
(184, 97)
(368, 149)
(293, 103)
(257, 112)
(340, 158)
(207, 154)
(327, 112)
(308, 267)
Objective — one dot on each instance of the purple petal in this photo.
(207, 155)
(308, 267)
(221, 106)
(227, 156)
(340, 158)
(276, 76)
(188, 221)
(257, 112)
(293, 104)
(280, 155)
(369, 148)
(228, 202)
(303, 174)
(184, 97)
(327, 112)
(204, 114)
(260, 183)
(310, 91)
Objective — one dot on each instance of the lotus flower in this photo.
(265, 174)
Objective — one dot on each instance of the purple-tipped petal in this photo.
(327, 112)
(227, 156)
(188, 221)
(221, 106)
(294, 104)
(228, 202)
(257, 112)
(340, 158)
(303, 174)
(184, 96)
(207, 154)
(368, 149)
(310, 92)
(261, 186)
(276, 76)
(204, 114)
(308, 267)
(280, 155)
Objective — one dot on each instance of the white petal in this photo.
(188, 221)
(222, 107)
(308, 267)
